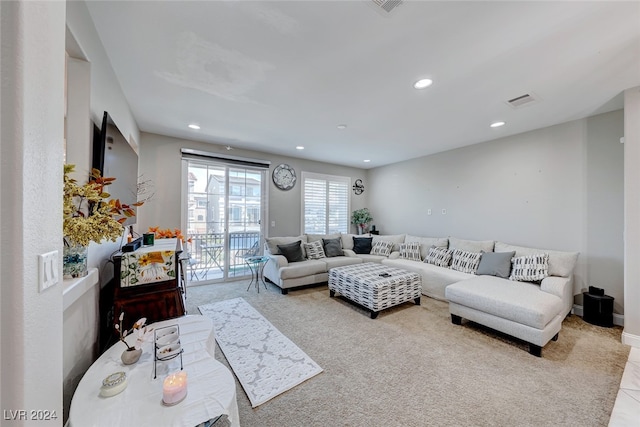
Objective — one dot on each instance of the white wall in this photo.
(554, 188)
(631, 334)
(32, 36)
(93, 88)
(160, 161)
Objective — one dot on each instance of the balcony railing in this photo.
(209, 254)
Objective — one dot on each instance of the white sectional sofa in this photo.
(530, 311)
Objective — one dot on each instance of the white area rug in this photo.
(266, 362)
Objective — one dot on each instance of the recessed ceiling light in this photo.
(422, 83)
(497, 124)
(342, 127)
(299, 147)
(366, 161)
(194, 126)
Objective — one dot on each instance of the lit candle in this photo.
(174, 388)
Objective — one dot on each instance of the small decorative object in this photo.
(89, 216)
(361, 218)
(113, 384)
(284, 177)
(132, 354)
(358, 187)
(174, 388)
(148, 239)
(74, 260)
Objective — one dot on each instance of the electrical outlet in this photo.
(48, 274)
(444, 211)
(428, 211)
(273, 223)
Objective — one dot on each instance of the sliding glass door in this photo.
(225, 205)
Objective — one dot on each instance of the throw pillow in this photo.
(292, 251)
(381, 247)
(362, 245)
(410, 251)
(495, 264)
(438, 256)
(464, 261)
(530, 268)
(333, 247)
(314, 250)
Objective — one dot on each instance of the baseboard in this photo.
(632, 340)
(618, 319)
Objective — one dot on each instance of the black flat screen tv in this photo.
(114, 157)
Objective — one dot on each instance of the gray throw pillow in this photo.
(292, 251)
(333, 247)
(495, 264)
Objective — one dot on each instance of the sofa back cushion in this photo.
(476, 246)
(333, 247)
(362, 245)
(319, 237)
(427, 242)
(560, 263)
(396, 239)
(495, 264)
(292, 251)
(273, 242)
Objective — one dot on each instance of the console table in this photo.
(211, 389)
(148, 283)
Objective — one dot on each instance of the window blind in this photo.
(325, 202)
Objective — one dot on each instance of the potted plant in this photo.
(132, 353)
(361, 217)
(89, 215)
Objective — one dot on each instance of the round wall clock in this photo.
(284, 177)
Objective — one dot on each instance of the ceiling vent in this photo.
(385, 7)
(521, 100)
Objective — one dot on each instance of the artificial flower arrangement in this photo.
(140, 328)
(168, 233)
(361, 218)
(89, 213)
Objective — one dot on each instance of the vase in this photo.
(74, 260)
(131, 356)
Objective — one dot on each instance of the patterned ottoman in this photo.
(375, 286)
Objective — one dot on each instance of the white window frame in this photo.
(329, 178)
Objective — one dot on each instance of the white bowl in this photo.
(167, 339)
(166, 331)
(168, 350)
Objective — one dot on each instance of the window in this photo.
(325, 203)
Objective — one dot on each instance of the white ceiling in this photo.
(270, 75)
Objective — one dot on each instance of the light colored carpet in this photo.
(264, 361)
(412, 367)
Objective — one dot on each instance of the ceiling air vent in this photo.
(385, 6)
(521, 100)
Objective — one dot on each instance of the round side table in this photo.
(256, 265)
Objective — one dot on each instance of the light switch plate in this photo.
(48, 274)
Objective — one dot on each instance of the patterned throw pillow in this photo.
(438, 256)
(410, 251)
(530, 268)
(381, 247)
(464, 261)
(314, 250)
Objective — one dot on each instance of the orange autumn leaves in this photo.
(168, 233)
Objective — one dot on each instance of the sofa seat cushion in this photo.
(520, 302)
(371, 258)
(340, 261)
(303, 268)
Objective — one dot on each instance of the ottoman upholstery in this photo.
(362, 283)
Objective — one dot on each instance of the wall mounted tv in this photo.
(114, 157)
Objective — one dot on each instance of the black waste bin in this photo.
(598, 309)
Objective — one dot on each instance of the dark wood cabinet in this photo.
(158, 300)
